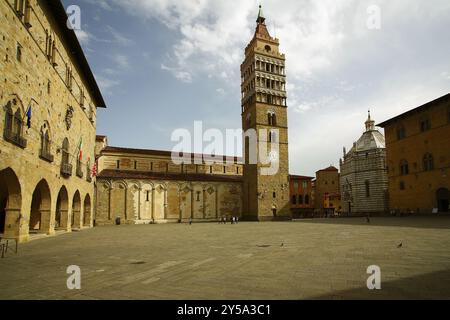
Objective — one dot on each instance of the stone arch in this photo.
(119, 200)
(62, 209)
(173, 201)
(160, 201)
(133, 194)
(87, 212)
(40, 212)
(76, 210)
(210, 201)
(10, 202)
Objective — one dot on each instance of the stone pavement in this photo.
(310, 259)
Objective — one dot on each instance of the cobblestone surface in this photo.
(311, 259)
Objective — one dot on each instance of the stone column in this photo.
(153, 204)
(139, 203)
(77, 218)
(165, 203)
(13, 221)
(204, 208)
(64, 225)
(47, 224)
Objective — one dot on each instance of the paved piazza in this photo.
(311, 259)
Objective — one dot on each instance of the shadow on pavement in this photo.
(430, 286)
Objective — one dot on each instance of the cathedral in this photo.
(145, 186)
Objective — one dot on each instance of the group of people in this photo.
(233, 220)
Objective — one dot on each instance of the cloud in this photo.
(121, 61)
(337, 68)
(83, 36)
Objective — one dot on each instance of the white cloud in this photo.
(121, 61)
(336, 67)
(83, 36)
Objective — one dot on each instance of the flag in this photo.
(29, 112)
(80, 147)
(94, 170)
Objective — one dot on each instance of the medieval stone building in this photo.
(364, 182)
(48, 98)
(145, 186)
(264, 110)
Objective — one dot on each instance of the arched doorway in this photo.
(10, 202)
(40, 209)
(76, 210)
(87, 211)
(62, 209)
(443, 200)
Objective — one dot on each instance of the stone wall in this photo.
(38, 196)
(148, 201)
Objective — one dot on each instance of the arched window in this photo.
(274, 119)
(428, 162)
(307, 199)
(18, 124)
(404, 168)
(272, 137)
(45, 144)
(294, 200)
(66, 167)
(9, 118)
(300, 199)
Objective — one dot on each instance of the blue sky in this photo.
(163, 64)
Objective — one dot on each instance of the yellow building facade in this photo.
(418, 158)
(49, 98)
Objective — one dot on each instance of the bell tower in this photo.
(264, 112)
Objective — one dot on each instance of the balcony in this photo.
(45, 155)
(16, 139)
(66, 169)
(79, 172)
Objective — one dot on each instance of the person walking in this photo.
(190, 221)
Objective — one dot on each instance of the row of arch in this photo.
(165, 201)
(44, 212)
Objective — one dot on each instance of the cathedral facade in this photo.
(364, 180)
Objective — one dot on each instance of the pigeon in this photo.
(400, 245)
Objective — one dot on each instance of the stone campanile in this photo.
(264, 111)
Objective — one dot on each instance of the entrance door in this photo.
(274, 211)
(443, 200)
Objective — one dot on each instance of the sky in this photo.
(163, 64)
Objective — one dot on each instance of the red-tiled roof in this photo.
(122, 174)
(292, 176)
(165, 153)
(331, 168)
